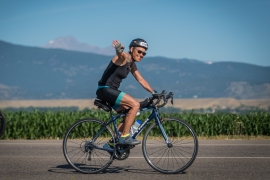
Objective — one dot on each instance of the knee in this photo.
(136, 105)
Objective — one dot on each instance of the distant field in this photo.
(185, 104)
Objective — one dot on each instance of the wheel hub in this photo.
(170, 145)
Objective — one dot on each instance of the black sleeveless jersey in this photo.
(114, 74)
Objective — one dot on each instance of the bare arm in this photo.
(140, 79)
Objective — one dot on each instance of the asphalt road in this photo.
(225, 159)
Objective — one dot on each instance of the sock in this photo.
(124, 135)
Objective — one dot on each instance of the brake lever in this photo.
(159, 95)
(170, 95)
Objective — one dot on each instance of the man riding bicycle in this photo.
(117, 70)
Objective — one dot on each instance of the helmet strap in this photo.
(131, 50)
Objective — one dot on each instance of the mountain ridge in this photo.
(71, 43)
(38, 73)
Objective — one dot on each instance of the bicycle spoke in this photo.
(175, 158)
(75, 142)
(182, 150)
(100, 158)
(161, 140)
(73, 150)
(85, 157)
(158, 150)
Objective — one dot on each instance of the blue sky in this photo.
(206, 30)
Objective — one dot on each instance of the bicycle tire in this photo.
(77, 152)
(2, 123)
(175, 159)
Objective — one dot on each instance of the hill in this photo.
(38, 73)
(183, 104)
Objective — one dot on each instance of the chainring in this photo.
(122, 151)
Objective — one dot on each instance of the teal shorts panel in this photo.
(118, 100)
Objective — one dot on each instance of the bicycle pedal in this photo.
(124, 147)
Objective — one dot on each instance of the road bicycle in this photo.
(169, 145)
(2, 123)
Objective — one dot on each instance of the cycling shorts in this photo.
(112, 96)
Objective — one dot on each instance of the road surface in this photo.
(216, 159)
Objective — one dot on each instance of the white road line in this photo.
(140, 157)
(138, 145)
(234, 144)
(214, 157)
(31, 144)
(233, 157)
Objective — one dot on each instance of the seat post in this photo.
(110, 110)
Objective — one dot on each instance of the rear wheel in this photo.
(177, 156)
(2, 123)
(82, 152)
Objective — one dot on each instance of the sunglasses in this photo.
(140, 52)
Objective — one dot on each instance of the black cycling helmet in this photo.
(138, 42)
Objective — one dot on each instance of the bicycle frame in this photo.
(97, 153)
(153, 115)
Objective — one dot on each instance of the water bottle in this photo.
(135, 126)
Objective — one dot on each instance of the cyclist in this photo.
(117, 70)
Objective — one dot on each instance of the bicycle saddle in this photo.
(103, 105)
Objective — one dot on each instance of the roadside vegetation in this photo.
(52, 124)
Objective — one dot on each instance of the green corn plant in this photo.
(48, 124)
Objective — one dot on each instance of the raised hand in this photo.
(118, 46)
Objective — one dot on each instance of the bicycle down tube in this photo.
(154, 115)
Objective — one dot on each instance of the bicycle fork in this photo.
(158, 121)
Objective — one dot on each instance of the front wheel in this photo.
(84, 153)
(172, 158)
(2, 123)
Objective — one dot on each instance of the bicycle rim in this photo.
(173, 159)
(2, 123)
(79, 154)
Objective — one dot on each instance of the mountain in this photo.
(38, 73)
(70, 43)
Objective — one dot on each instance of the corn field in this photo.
(51, 125)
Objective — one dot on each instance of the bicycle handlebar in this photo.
(161, 96)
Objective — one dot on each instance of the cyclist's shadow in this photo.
(67, 169)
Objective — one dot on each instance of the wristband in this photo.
(119, 48)
(154, 92)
